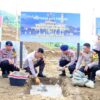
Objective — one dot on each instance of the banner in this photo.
(98, 26)
(50, 27)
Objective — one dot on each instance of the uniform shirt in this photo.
(71, 57)
(30, 60)
(5, 55)
(86, 59)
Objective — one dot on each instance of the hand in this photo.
(37, 81)
(86, 68)
(10, 61)
(65, 66)
(76, 69)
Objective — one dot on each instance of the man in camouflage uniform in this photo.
(8, 59)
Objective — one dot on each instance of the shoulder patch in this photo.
(14, 52)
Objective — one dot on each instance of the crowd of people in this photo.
(88, 61)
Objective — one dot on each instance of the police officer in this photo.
(67, 60)
(87, 62)
(8, 59)
(33, 60)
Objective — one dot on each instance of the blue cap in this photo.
(64, 47)
(9, 43)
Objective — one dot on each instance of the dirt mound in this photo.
(9, 33)
(31, 46)
(50, 54)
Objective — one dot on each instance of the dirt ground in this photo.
(9, 33)
(70, 92)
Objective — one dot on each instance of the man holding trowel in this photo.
(34, 60)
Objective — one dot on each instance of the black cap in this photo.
(87, 45)
(41, 50)
(9, 43)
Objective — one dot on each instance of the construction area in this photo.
(68, 91)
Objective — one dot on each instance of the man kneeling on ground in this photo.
(88, 62)
(67, 60)
(34, 60)
(8, 59)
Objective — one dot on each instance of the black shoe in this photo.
(94, 81)
(5, 75)
(17, 69)
(41, 75)
(62, 74)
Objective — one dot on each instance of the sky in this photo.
(75, 6)
(53, 5)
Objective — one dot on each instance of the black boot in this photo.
(96, 68)
(5, 74)
(63, 73)
(41, 75)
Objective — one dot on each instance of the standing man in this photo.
(34, 60)
(68, 59)
(8, 59)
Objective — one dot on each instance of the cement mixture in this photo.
(52, 91)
